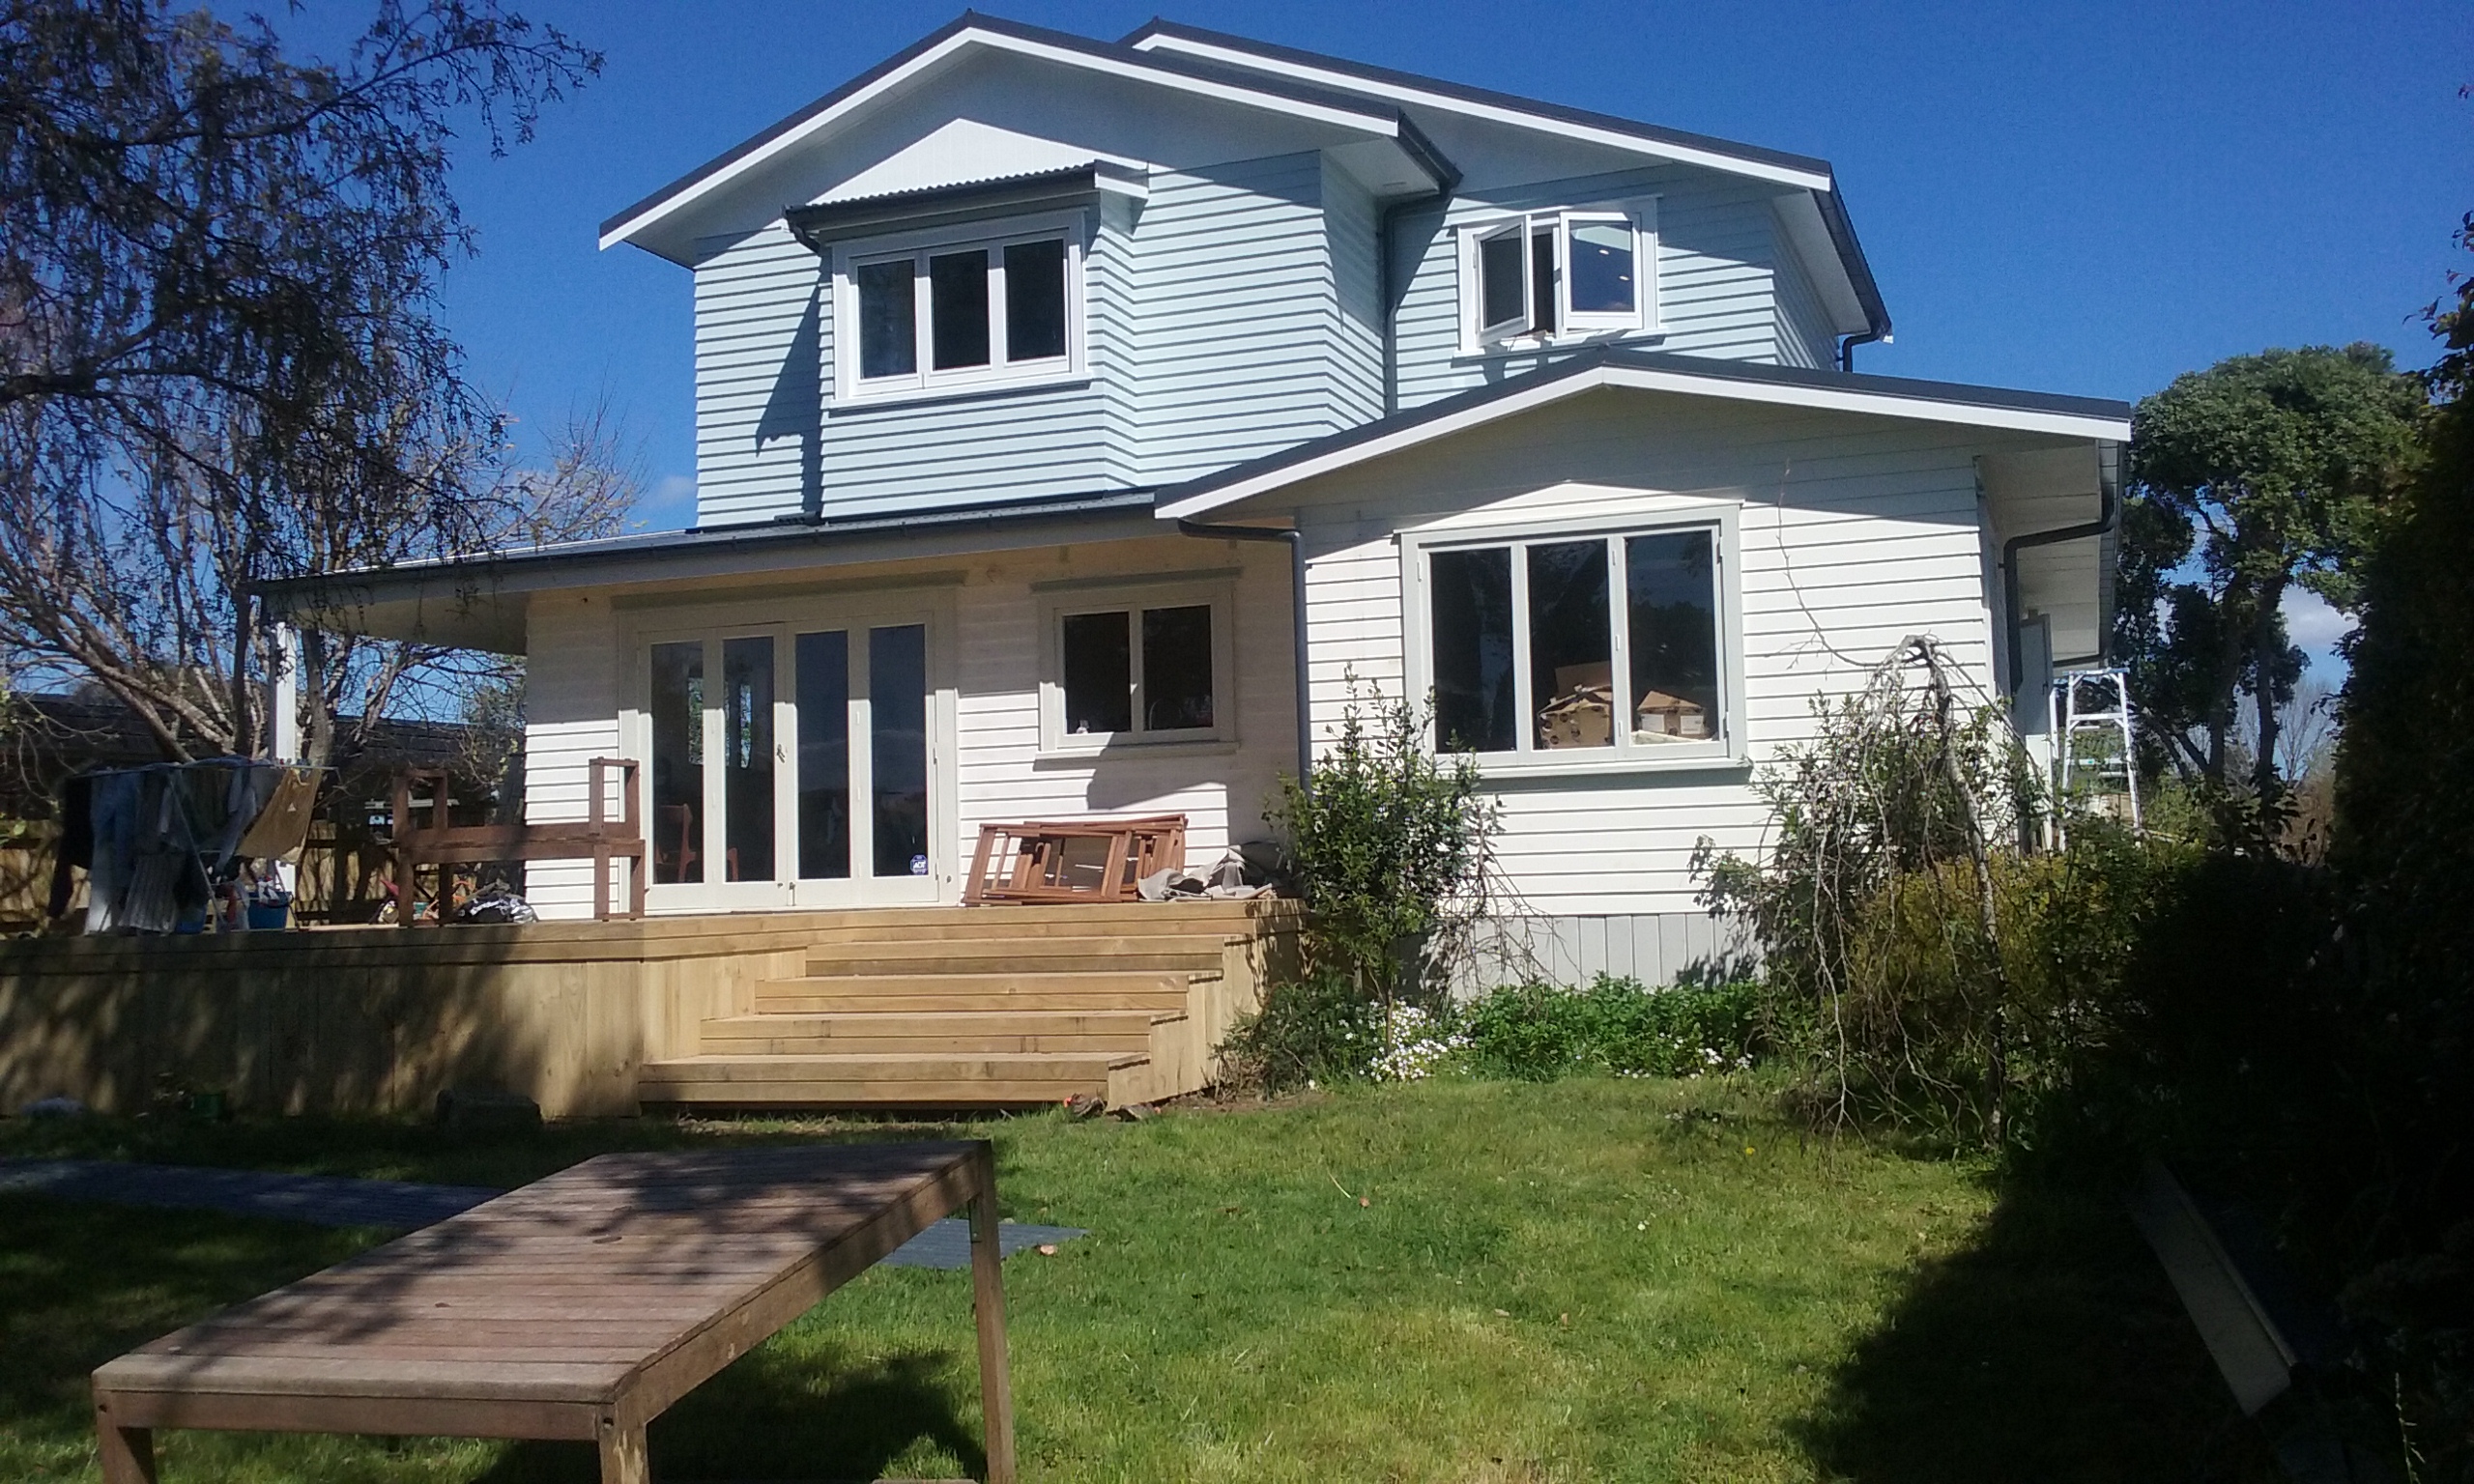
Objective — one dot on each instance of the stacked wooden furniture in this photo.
(580, 1307)
(596, 838)
(992, 1007)
(1073, 860)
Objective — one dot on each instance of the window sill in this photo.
(953, 391)
(1571, 764)
(1514, 349)
(1123, 746)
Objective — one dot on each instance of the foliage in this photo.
(1538, 1032)
(1895, 809)
(1392, 849)
(1319, 1027)
(2269, 472)
(224, 364)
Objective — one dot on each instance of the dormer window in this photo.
(957, 309)
(1544, 276)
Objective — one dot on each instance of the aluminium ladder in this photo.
(2093, 742)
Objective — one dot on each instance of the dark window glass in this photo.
(1035, 301)
(1098, 672)
(1603, 278)
(957, 309)
(1471, 591)
(1671, 593)
(823, 662)
(1572, 645)
(898, 748)
(1176, 667)
(889, 320)
(747, 760)
(1541, 282)
(1501, 271)
(679, 762)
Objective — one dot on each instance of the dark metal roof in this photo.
(1705, 367)
(788, 533)
(974, 21)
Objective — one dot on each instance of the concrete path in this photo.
(334, 1200)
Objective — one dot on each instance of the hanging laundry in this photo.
(282, 824)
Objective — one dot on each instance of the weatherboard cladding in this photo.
(571, 699)
(1805, 337)
(1717, 240)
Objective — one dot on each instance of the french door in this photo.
(796, 763)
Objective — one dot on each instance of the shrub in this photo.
(1317, 1028)
(1539, 1032)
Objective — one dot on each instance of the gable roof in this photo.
(1236, 55)
(972, 30)
(1885, 396)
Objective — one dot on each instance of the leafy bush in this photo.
(1539, 1032)
(1392, 846)
(1317, 1028)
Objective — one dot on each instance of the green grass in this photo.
(1596, 1278)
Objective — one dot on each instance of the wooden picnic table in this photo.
(580, 1306)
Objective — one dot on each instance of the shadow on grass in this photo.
(2051, 1349)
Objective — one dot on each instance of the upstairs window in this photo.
(1550, 275)
(950, 313)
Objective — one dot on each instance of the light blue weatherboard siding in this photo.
(1806, 338)
(759, 366)
(1717, 238)
(1241, 346)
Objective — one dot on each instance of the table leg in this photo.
(128, 1452)
(988, 1292)
(624, 1459)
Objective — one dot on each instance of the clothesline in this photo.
(156, 841)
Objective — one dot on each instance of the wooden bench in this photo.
(579, 1307)
(596, 838)
(1073, 860)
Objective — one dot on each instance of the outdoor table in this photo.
(580, 1306)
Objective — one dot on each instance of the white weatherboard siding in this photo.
(576, 693)
(1806, 338)
(571, 717)
(1717, 239)
(1852, 533)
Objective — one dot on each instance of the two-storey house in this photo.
(1545, 415)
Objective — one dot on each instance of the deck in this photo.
(927, 1007)
(581, 1306)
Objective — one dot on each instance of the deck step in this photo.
(994, 1079)
(1080, 953)
(975, 1032)
(991, 991)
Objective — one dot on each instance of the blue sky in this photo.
(2083, 198)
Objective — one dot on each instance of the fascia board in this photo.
(1493, 112)
(712, 177)
(1863, 401)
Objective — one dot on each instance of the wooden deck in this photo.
(938, 1007)
(581, 1306)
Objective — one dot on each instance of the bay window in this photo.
(1598, 646)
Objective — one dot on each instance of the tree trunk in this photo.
(2263, 669)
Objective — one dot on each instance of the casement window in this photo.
(1141, 665)
(952, 312)
(1546, 275)
(1559, 649)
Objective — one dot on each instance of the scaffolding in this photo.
(2095, 762)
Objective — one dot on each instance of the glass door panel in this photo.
(898, 749)
(747, 759)
(678, 714)
(824, 687)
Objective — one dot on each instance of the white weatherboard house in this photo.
(1542, 413)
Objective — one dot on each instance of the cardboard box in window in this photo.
(1664, 718)
(1582, 713)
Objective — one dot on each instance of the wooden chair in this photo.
(1073, 859)
(596, 838)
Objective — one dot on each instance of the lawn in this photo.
(1591, 1279)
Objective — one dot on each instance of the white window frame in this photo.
(1131, 596)
(1727, 748)
(924, 379)
(1479, 337)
